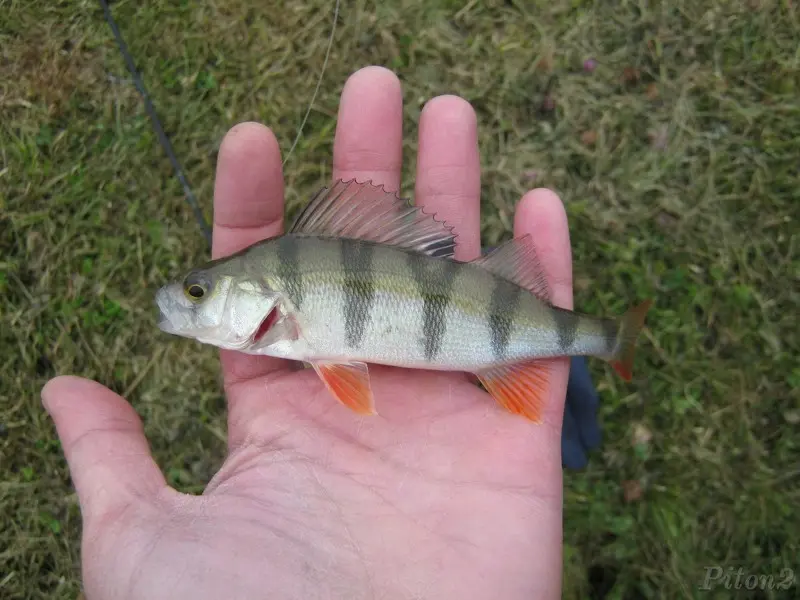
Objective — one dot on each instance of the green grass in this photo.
(677, 159)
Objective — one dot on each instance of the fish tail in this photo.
(630, 325)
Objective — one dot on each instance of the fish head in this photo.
(218, 306)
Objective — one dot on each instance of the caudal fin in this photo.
(631, 324)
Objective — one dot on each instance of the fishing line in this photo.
(162, 136)
(319, 81)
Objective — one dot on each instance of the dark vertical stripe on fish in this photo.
(435, 287)
(358, 288)
(503, 306)
(566, 328)
(289, 270)
(610, 331)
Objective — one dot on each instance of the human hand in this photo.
(443, 495)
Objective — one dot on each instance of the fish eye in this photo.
(195, 290)
(195, 287)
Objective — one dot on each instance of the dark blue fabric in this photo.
(581, 430)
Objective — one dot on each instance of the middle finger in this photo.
(369, 133)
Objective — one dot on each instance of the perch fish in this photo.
(363, 277)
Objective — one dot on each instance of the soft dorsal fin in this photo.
(368, 212)
(517, 262)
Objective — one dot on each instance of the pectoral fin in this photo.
(521, 388)
(349, 383)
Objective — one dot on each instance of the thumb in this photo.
(103, 440)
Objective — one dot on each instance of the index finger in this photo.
(248, 191)
(248, 207)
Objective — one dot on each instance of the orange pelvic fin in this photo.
(349, 383)
(521, 388)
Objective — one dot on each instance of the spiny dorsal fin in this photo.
(368, 212)
(517, 262)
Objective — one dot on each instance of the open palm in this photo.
(442, 495)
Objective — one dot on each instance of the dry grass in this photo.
(676, 158)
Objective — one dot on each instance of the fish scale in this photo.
(346, 317)
(362, 277)
(444, 314)
(434, 281)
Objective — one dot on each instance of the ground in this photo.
(670, 130)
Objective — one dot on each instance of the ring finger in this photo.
(448, 169)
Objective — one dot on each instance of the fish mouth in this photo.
(164, 322)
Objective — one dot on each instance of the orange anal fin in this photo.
(521, 388)
(349, 383)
